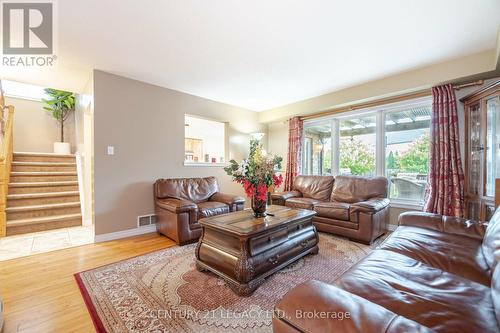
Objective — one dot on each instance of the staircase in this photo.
(42, 193)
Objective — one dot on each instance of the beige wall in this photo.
(482, 63)
(145, 124)
(34, 128)
(277, 139)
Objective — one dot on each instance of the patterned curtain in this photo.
(445, 194)
(293, 161)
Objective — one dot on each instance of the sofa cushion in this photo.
(352, 189)
(304, 203)
(439, 300)
(491, 241)
(318, 297)
(495, 292)
(211, 208)
(455, 254)
(191, 189)
(333, 210)
(315, 187)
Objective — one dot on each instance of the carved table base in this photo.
(245, 259)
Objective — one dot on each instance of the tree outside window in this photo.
(356, 157)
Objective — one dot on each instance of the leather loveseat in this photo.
(181, 202)
(350, 206)
(433, 274)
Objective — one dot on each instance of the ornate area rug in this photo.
(163, 292)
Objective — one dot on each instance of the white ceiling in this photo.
(262, 54)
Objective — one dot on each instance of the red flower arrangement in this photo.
(257, 174)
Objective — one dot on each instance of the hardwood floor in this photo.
(40, 293)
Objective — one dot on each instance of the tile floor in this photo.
(45, 241)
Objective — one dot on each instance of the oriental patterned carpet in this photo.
(163, 292)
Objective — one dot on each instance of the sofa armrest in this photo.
(446, 224)
(228, 199)
(285, 195)
(370, 206)
(315, 306)
(175, 205)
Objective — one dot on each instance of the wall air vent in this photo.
(145, 220)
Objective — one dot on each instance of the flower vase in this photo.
(258, 207)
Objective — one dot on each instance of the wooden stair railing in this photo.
(6, 147)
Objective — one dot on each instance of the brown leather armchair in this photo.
(350, 206)
(181, 202)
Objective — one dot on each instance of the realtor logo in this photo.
(27, 28)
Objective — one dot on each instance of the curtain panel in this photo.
(294, 156)
(445, 190)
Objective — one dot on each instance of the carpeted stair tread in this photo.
(33, 184)
(41, 195)
(44, 219)
(42, 207)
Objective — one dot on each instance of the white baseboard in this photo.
(391, 227)
(125, 233)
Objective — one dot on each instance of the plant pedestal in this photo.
(62, 148)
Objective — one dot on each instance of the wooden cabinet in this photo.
(193, 150)
(482, 151)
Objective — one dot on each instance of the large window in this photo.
(390, 140)
(204, 141)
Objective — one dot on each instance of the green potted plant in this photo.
(60, 104)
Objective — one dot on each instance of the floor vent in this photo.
(145, 220)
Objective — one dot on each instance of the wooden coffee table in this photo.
(244, 250)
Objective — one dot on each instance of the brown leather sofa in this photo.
(433, 274)
(350, 206)
(181, 202)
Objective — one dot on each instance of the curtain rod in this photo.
(470, 84)
(388, 100)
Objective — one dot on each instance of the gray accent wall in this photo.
(145, 124)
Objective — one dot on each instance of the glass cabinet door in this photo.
(492, 145)
(473, 210)
(475, 149)
(482, 154)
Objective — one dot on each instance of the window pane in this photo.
(22, 90)
(407, 152)
(357, 146)
(317, 150)
(204, 140)
(474, 143)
